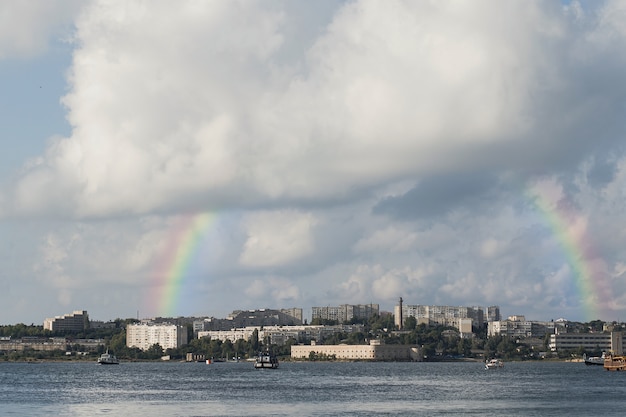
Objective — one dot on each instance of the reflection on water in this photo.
(315, 389)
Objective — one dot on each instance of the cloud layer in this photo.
(366, 152)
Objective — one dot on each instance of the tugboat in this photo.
(107, 359)
(266, 360)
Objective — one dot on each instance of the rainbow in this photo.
(570, 230)
(173, 268)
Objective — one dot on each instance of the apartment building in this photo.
(279, 335)
(345, 312)
(248, 318)
(518, 326)
(144, 335)
(442, 315)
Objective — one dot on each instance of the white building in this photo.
(233, 335)
(279, 335)
(144, 335)
(518, 326)
(375, 351)
(589, 341)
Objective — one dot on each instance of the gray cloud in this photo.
(350, 151)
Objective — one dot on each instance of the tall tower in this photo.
(401, 321)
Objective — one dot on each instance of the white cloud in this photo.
(389, 239)
(281, 291)
(188, 107)
(277, 238)
(26, 27)
(185, 99)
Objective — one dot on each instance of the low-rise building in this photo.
(375, 351)
(589, 341)
(279, 335)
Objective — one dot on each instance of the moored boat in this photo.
(494, 364)
(615, 363)
(594, 360)
(266, 360)
(108, 359)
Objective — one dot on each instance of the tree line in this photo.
(437, 342)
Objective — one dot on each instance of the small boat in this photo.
(108, 359)
(494, 364)
(266, 360)
(615, 363)
(594, 360)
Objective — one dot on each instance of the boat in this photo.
(494, 364)
(108, 359)
(615, 362)
(594, 360)
(266, 360)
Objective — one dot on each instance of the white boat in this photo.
(266, 360)
(108, 359)
(594, 360)
(494, 364)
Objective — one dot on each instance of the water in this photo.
(312, 389)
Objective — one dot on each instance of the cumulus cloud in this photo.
(276, 238)
(27, 27)
(192, 99)
(372, 150)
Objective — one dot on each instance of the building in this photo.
(279, 335)
(73, 322)
(145, 335)
(247, 318)
(441, 315)
(375, 351)
(34, 343)
(345, 312)
(233, 334)
(595, 342)
(492, 313)
(518, 326)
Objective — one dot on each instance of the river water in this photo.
(311, 389)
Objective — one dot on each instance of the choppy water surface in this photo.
(314, 389)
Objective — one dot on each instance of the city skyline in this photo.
(176, 158)
(488, 312)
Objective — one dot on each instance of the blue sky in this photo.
(350, 152)
(30, 105)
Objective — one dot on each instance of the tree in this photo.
(254, 340)
(410, 323)
(154, 352)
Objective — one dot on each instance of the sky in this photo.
(192, 158)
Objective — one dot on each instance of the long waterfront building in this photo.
(375, 351)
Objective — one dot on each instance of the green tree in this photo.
(154, 352)
(410, 323)
(254, 340)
